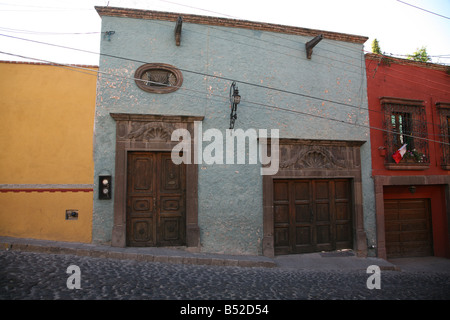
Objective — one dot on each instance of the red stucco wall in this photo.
(409, 81)
(405, 79)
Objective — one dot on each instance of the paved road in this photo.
(37, 276)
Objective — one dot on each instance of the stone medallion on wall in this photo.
(158, 78)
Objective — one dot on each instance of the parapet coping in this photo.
(226, 22)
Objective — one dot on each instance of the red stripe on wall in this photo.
(46, 190)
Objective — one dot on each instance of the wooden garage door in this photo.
(408, 228)
(312, 215)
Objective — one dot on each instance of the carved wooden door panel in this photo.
(312, 215)
(155, 200)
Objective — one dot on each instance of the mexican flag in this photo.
(398, 155)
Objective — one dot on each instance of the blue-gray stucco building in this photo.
(163, 71)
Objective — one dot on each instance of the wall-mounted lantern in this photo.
(235, 99)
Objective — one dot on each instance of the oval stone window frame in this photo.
(169, 76)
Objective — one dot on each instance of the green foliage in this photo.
(376, 46)
(415, 155)
(420, 55)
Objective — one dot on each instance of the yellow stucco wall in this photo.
(41, 215)
(46, 136)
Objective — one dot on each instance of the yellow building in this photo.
(46, 158)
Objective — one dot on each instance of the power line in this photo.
(406, 55)
(65, 47)
(108, 75)
(400, 71)
(112, 76)
(270, 88)
(193, 72)
(205, 10)
(219, 77)
(288, 47)
(33, 8)
(300, 43)
(88, 33)
(409, 80)
(45, 33)
(285, 91)
(45, 10)
(423, 9)
(275, 36)
(361, 73)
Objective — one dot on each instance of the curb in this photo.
(89, 250)
(390, 268)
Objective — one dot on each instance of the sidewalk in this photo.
(323, 261)
(167, 255)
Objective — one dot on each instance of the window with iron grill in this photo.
(405, 123)
(401, 127)
(444, 114)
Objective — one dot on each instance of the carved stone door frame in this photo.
(144, 132)
(317, 159)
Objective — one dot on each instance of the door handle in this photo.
(154, 203)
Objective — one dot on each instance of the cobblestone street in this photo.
(38, 276)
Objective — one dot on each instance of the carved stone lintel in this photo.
(150, 131)
(304, 157)
(317, 159)
(147, 127)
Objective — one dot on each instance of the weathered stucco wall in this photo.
(47, 117)
(230, 196)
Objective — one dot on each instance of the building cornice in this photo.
(225, 22)
(390, 59)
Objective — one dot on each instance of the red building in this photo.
(409, 105)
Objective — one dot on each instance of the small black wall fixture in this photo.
(311, 44)
(108, 34)
(104, 187)
(178, 30)
(235, 98)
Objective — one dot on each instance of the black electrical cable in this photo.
(199, 73)
(243, 101)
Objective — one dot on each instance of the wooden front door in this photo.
(312, 215)
(156, 210)
(408, 228)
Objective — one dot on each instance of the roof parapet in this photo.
(226, 22)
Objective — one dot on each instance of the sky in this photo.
(399, 26)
